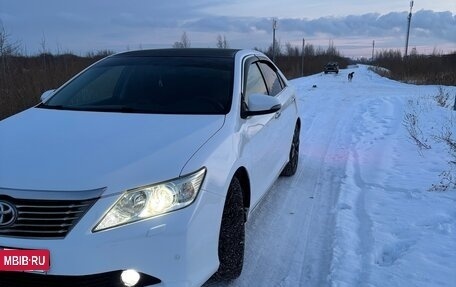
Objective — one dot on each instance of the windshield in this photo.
(163, 85)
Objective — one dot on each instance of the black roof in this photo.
(184, 52)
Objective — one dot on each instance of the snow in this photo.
(361, 210)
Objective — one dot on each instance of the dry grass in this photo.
(24, 79)
(433, 69)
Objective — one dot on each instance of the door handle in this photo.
(277, 115)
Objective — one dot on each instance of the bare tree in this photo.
(309, 50)
(332, 50)
(7, 49)
(3, 40)
(185, 40)
(222, 43)
(183, 43)
(291, 50)
(44, 50)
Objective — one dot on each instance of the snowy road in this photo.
(324, 226)
(289, 238)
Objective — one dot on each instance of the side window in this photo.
(272, 80)
(255, 83)
(282, 82)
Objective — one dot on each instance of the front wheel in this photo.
(232, 234)
(292, 165)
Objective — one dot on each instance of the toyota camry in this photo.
(143, 169)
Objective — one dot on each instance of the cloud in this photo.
(440, 25)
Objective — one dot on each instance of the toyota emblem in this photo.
(8, 214)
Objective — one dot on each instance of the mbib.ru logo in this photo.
(24, 260)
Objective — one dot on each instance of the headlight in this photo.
(152, 200)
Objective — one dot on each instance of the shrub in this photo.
(433, 69)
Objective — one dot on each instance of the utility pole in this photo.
(302, 56)
(408, 28)
(373, 48)
(274, 27)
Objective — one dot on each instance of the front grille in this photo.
(109, 279)
(45, 218)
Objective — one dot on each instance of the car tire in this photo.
(292, 165)
(232, 234)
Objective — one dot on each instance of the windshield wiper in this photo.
(45, 106)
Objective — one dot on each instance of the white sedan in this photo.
(142, 169)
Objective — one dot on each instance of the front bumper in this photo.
(179, 248)
(108, 279)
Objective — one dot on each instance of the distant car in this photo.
(332, 67)
(143, 169)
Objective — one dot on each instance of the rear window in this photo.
(168, 85)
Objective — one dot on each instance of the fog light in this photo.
(130, 277)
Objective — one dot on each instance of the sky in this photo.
(352, 25)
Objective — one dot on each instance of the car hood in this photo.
(43, 149)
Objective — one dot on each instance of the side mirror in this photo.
(46, 95)
(260, 104)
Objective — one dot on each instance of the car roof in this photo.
(183, 52)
